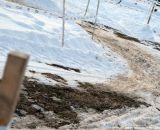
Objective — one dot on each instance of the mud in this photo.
(65, 68)
(65, 101)
(145, 67)
(55, 77)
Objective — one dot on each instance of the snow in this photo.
(141, 118)
(40, 35)
(79, 51)
(131, 21)
(130, 16)
(3, 128)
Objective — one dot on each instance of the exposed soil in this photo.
(64, 67)
(154, 44)
(37, 99)
(145, 67)
(55, 77)
(32, 71)
(64, 101)
(118, 34)
(124, 36)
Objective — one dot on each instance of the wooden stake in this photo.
(87, 7)
(63, 22)
(10, 85)
(149, 19)
(95, 22)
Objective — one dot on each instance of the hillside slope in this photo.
(40, 36)
(110, 81)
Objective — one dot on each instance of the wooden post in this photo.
(95, 22)
(10, 85)
(150, 15)
(63, 22)
(87, 7)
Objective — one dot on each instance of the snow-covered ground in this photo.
(39, 32)
(130, 16)
(138, 119)
(39, 35)
(131, 19)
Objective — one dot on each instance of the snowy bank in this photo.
(40, 36)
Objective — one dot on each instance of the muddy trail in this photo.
(145, 68)
(56, 106)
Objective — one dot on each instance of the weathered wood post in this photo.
(10, 85)
(96, 17)
(63, 22)
(150, 15)
(87, 7)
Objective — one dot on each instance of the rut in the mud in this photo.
(64, 101)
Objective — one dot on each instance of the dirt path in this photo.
(145, 77)
(90, 106)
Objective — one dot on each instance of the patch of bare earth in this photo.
(64, 67)
(145, 76)
(56, 106)
(55, 77)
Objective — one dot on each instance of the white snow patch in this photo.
(40, 36)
